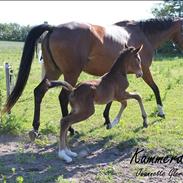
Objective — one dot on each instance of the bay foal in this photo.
(109, 87)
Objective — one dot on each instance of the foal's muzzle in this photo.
(139, 74)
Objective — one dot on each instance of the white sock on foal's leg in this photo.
(62, 155)
(70, 153)
(115, 121)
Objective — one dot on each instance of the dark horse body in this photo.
(74, 47)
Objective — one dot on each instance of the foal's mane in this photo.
(155, 25)
(120, 59)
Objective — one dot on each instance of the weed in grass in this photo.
(42, 142)
(106, 174)
(10, 124)
(150, 97)
(13, 170)
(51, 127)
(61, 179)
(19, 179)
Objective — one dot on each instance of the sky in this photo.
(57, 12)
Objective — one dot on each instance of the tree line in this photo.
(13, 32)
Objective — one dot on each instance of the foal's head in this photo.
(133, 60)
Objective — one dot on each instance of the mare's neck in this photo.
(158, 38)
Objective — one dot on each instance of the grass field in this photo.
(164, 135)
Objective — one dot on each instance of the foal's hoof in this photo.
(62, 155)
(161, 115)
(33, 135)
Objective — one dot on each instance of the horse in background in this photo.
(74, 47)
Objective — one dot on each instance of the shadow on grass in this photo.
(149, 124)
(43, 165)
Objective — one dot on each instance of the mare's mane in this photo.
(150, 25)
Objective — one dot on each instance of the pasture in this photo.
(162, 137)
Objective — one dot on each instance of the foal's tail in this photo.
(64, 84)
(25, 64)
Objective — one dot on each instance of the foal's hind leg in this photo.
(106, 114)
(64, 94)
(117, 118)
(85, 112)
(149, 80)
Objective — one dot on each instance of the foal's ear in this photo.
(138, 49)
(126, 46)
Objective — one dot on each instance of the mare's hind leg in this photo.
(39, 93)
(149, 80)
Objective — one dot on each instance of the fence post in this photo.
(9, 79)
(7, 73)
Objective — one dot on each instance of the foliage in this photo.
(167, 9)
(13, 32)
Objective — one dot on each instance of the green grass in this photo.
(162, 135)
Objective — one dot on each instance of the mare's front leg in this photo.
(147, 77)
(117, 118)
(137, 97)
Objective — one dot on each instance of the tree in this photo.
(168, 9)
(13, 32)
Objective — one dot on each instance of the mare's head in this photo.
(133, 60)
(178, 35)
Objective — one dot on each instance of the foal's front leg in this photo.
(137, 97)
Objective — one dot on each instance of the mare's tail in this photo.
(25, 64)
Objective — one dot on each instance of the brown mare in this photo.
(111, 86)
(73, 47)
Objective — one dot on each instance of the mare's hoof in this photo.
(161, 115)
(145, 125)
(109, 126)
(107, 122)
(33, 135)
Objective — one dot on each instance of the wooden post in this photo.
(7, 73)
(9, 80)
